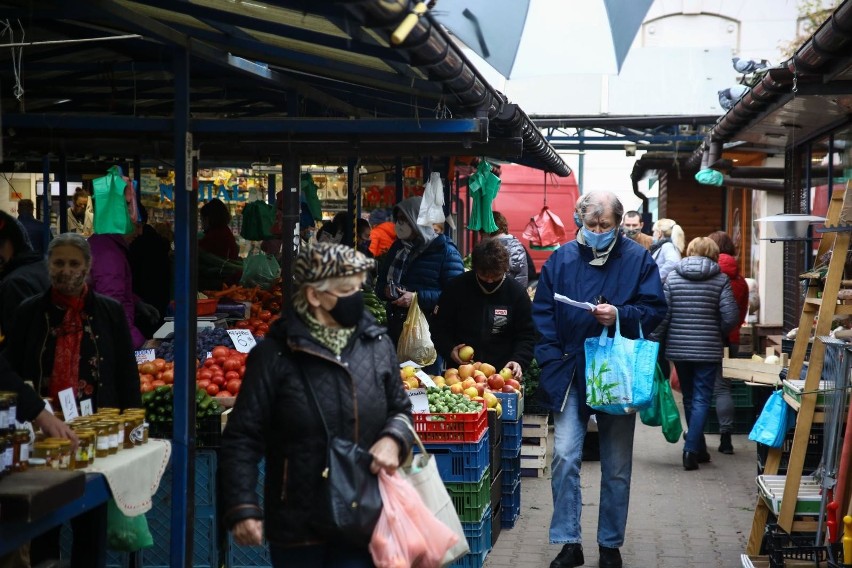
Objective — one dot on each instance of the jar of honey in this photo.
(102, 439)
(64, 453)
(22, 439)
(49, 452)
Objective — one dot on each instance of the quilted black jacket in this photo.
(360, 393)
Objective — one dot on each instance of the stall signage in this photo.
(206, 192)
(243, 339)
(425, 379)
(68, 402)
(419, 400)
(145, 355)
(86, 407)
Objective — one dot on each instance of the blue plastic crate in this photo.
(511, 505)
(470, 560)
(238, 556)
(461, 463)
(479, 534)
(512, 403)
(511, 471)
(205, 549)
(512, 431)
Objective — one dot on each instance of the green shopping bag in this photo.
(111, 216)
(258, 218)
(126, 534)
(664, 411)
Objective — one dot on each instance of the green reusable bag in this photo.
(111, 216)
(258, 218)
(126, 534)
(664, 411)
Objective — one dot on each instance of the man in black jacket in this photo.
(23, 272)
(487, 310)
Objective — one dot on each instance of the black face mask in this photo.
(348, 309)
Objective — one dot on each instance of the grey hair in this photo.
(594, 204)
(75, 240)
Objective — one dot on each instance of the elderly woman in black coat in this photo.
(702, 311)
(329, 341)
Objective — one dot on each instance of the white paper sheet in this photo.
(566, 300)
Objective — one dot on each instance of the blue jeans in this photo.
(616, 453)
(337, 555)
(697, 380)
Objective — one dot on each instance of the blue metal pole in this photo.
(353, 201)
(46, 197)
(399, 179)
(137, 179)
(63, 193)
(186, 212)
(270, 184)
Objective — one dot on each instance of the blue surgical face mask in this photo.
(577, 220)
(598, 241)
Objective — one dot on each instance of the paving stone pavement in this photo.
(678, 519)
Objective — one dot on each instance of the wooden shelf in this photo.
(839, 309)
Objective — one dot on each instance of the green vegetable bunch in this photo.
(375, 306)
(443, 401)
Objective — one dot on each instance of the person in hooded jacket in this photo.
(23, 272)
(619, 276)
(518, 268)
(329, 340)
(667, 246)
(725, 409)
(702, 312)
(419, 261)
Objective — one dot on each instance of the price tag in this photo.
(86, 407)
(243, 339)
(425, 379)
(419, 400)
(145, 355)
(209, 355)
(409, 364)
(47, 405)
(68, 402)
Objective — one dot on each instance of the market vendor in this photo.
(487, 310)
(218, 238)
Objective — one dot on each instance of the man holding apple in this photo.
(484, 315)
(618, 275)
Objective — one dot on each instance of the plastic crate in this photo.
(511, 505)
(496, 527)
(461, 463)
(781, 546)
(741, 393)
(512, 435)
(495, 428)
(208, 431)
(511, 472)
(470, 560)
(513, 405)
(743, 421)
(453, 427)
(478, 534)
(205, 550)
(471, 499)
(496, 489)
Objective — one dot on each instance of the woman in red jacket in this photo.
(739, 287)
(218, 238)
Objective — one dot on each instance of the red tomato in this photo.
(209, 362)
(157, 383)
(242, 371)
(220, 351)
(264, 327)
(224, 394)
(233, 353)
(160, 364)
(220, 360)
(218, 380)
(259, 334)
(232, 364)
(203, 383)
(212, 390)
(242, 324)
(264, 315)
(230, 376)
(234, 386)
(148, 368)
(146, 387)
(204, 374)
(146, 378)
(169, 376)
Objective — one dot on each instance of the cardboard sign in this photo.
(86, 407)
(145, 355)
(243, 340)
(68, 402)
(425, 379)
(419, 400)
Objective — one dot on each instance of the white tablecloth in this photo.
(134, 475)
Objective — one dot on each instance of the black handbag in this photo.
(353, 502)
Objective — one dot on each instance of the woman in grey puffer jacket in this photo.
(518, 268)
(702, 311)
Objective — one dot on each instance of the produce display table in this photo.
(35, 501)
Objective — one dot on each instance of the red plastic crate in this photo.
(450, 428)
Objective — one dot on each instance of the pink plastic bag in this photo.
(545, 230)
(407, 534)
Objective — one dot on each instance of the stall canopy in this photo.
(92, 79)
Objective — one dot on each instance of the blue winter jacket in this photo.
(629, 280)
(426, 273)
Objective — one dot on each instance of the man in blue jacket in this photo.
(619, 276)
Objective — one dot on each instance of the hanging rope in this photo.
(17, 59)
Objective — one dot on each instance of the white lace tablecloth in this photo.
(134, 475)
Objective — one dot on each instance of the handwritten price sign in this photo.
(243, 340)
(145, 355)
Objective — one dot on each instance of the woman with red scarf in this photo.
(71, 337)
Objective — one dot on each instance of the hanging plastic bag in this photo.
(126, 534)
(260, 269)
(407, 534)
(258, 218)
(774, 421)
(111, 212)
(545, 231)
(664, 411)
(432, 205)
(620, 371)
(482, 187)
(415, 341)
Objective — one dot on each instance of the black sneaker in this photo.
(690, 461)
(725, 445)
(570, 556)
(703, 456)
(609, 557)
